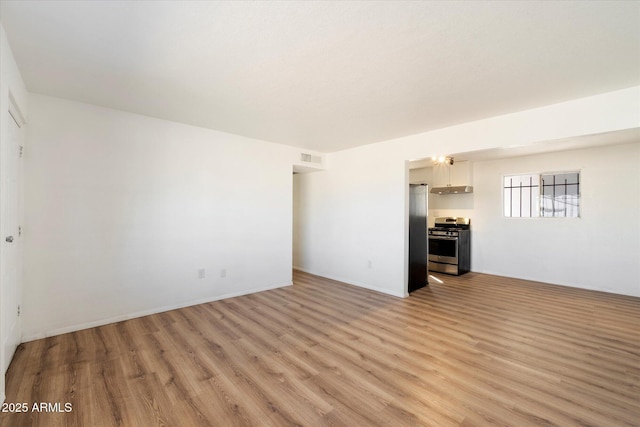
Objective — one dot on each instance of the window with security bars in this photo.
(521, 196)
(542, 195)
(560, 195)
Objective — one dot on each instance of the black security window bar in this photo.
(560, 195)
(521, 195)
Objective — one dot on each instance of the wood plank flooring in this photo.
(475, 350)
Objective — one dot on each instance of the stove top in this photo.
(451, 223)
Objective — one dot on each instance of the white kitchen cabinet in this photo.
(460, 173)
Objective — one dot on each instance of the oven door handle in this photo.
(443, 238)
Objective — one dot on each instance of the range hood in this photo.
(456, 189)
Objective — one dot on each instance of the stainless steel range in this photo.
(450, 245)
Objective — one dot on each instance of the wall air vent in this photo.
(310, 158)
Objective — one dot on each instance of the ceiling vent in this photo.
(310, 158)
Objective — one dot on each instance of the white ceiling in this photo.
(324, 75)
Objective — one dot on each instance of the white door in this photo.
(10, 288)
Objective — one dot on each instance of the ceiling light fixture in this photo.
(442, 160)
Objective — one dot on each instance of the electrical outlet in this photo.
(201, 273)
(223, 273)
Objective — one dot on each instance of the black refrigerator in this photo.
(418, 239)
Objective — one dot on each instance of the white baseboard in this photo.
(351, 282)
(115, 319)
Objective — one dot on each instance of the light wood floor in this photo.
(476, 350)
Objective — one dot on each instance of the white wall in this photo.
(347, 206)
(600, 250)
(123, 210)
(11, 87)
(357, 210)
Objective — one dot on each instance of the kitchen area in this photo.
(439, 176)
(448, 195)
(565, 251)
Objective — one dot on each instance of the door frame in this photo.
(12, 113)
